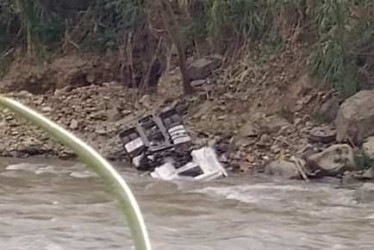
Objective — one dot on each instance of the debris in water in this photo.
(161, 145)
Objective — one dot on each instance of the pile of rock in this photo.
(354, 126)
(94, 113)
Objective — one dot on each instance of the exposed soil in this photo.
(73, 71)
(261, 113)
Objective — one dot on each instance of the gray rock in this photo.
(203, 67)
(368, 147)
(114, 114)
(248, 130)
(365, 194)
(356, 177)
(239, 141)
(333, 161)
(146, 101)
(24, 93)
(198, 83)
(355, 118)
(73, 124)
(127, 112)
(265, 140)
(47, 109)
(323, 134)
(101, 131)
(284, 169)
(328, 111)
(90, 78)
(275, 149)
(368, 174)
(272, 123)
(350, 180)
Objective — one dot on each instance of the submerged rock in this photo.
(368, 174)
(365, 194)
(283, 168)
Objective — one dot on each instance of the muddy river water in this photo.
(52, 205)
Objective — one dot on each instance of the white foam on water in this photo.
(47, 169)
(25, 167)
(370, 217)
(77, 170)
(319, 201)
(53, 246)
(242, 193)
(83, 174)
(35, 168)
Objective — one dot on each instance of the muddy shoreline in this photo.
(98, 113)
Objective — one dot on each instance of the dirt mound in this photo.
(82, 70)
(72, 70)
(258, 112)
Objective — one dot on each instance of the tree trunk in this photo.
(171, 26)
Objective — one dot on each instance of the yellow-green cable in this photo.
(97, 163)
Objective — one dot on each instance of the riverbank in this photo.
(97, 112)
(256, 116)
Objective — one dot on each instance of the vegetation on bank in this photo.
(338, 33)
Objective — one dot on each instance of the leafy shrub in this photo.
(114, 18)
(342, 31)
(341, 36)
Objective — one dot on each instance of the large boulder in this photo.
(333, 161)
(355, 120)
(368, 147)
(202, 68)
(328, 111)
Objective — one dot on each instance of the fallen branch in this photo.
(299, 167)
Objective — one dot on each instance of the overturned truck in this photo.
(160, 145)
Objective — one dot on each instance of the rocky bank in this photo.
(268, 119)
(95, 113)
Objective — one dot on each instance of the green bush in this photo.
(243, 18)
(341, 37)
(362, 160)
(43, 21)
(7, 20)
(115, 17)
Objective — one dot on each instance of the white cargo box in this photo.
(204, 166)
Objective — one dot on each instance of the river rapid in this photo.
(55, 205)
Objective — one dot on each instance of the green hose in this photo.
(97, 163)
